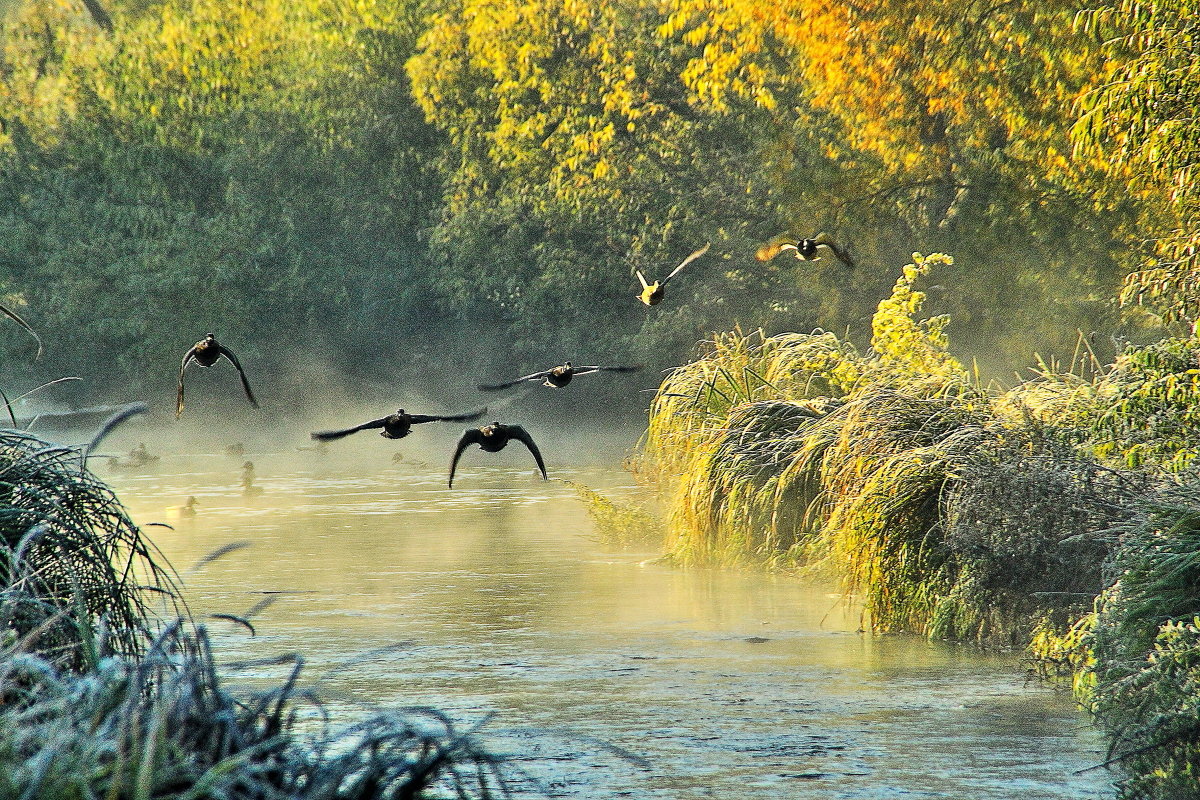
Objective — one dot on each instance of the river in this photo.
(603, 673)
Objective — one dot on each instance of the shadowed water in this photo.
(606, 676)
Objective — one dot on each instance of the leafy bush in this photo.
(1145, 646)
(1028, 523)
(1151, 405)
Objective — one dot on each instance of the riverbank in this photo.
(1054, 513)
(109, 688)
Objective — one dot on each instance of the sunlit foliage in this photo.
(508, 163)
(254, 170)
(949, 509)
(1144, 123)
(1145, 641)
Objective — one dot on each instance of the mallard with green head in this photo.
(805, 249)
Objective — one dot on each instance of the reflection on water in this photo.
(724, 685)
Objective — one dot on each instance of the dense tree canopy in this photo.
(478, 179)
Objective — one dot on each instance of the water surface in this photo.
(495, 599)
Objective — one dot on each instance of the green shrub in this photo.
(1145, 647)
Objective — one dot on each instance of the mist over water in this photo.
(603, 673)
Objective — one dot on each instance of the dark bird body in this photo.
(206, 353)
(556, 377)
(492, 439)
(652, 293)
(396, 426)
(805, 249)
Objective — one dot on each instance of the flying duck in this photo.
(555, 377)
(806, 249)
(206, 353)
(398, 425)
(652, 293)
(492, 439)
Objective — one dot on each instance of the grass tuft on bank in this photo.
(100, 699)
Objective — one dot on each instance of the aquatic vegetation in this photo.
(166, 726)
(1145, 647)
(619, 524)
(948, 509)
(94, 703)
(73, 566)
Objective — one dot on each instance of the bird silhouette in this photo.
(492, 439)
(15, 317)
(206, 353)
(398, 425)
(652, 293)
(805, 249)
(555, 377)
(188, 510)
(248, 487)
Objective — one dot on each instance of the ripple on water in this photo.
(602, 676)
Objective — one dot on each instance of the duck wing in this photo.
(641, 278)
(495, 387)
(418, 418)
(329, 436)
(823, 240)
(225, 351)
(15, 317)
(773, 248)
(522, 436)
(687, 261)
(584, 370)
(470, 436)
(183, 368)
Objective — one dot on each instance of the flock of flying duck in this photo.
(494, 437)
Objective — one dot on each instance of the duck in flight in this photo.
(15, 317)
(492, 439)
(206, 353)
(398, 425)
(652, 293)
(805, 249)
(555, 377)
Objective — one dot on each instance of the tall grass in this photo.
(166, 726)
(1145, 648)
(73, 566)
(891, 469)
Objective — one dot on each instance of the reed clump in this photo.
(949, 509)
(165, 726)
(619, 524)
(99, 699)
(72, 563)
(1144, 647)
